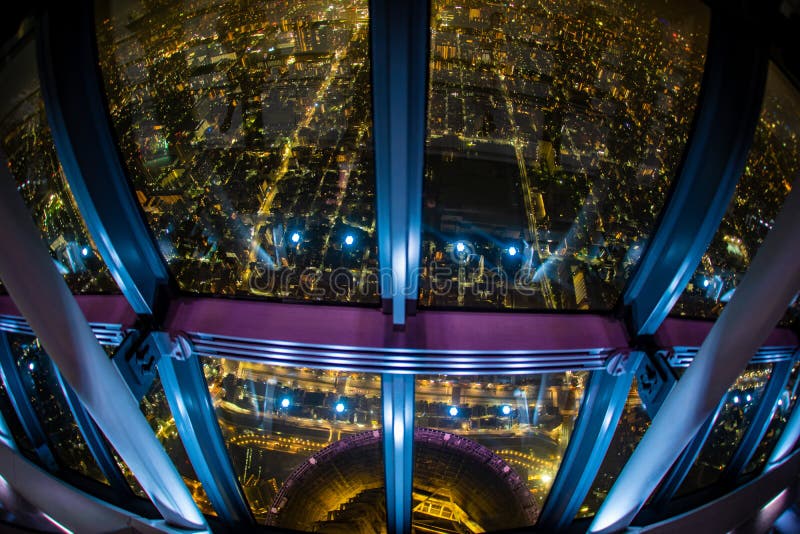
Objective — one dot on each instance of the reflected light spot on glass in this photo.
(512, 251)
(339, 407)
(506, 409)
(285, 403)
(349, 240)
(460, 247)
(295, 237)
(453, 411)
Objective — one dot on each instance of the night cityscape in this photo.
(246, 129)
(554, 133)
(526, 420)
(729, 427)
(772, 165)
(274, 418)
(247, 137)
(27, 145)
(55, 417)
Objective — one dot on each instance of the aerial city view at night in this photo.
(555, 132)
(299, 424)
(246, 128)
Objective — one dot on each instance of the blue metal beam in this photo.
(72, 89)
(724, 124)
(190, 403)
(398, 446)
(760, 422)
(601, 408)
(399, 37)
(22, 405)
(94, 439)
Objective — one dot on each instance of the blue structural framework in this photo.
(727, 112)
(190, 403)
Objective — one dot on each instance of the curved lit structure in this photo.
(424, 266)
(480, 482)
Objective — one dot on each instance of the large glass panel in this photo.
(773, 164)
(554, 131)
(632, 425)
(305, 443)
(27, 144)
(487, 448)
(247, 132)
(783, 409)
(14, 425)
(741, 403)
(155, 408)
(39, 378)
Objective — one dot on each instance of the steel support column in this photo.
(603, 402)
(190, 403)
(399, 38)
(726, 117)
(44, 299)
(769, 285)
(398, 448)
(72, 89)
